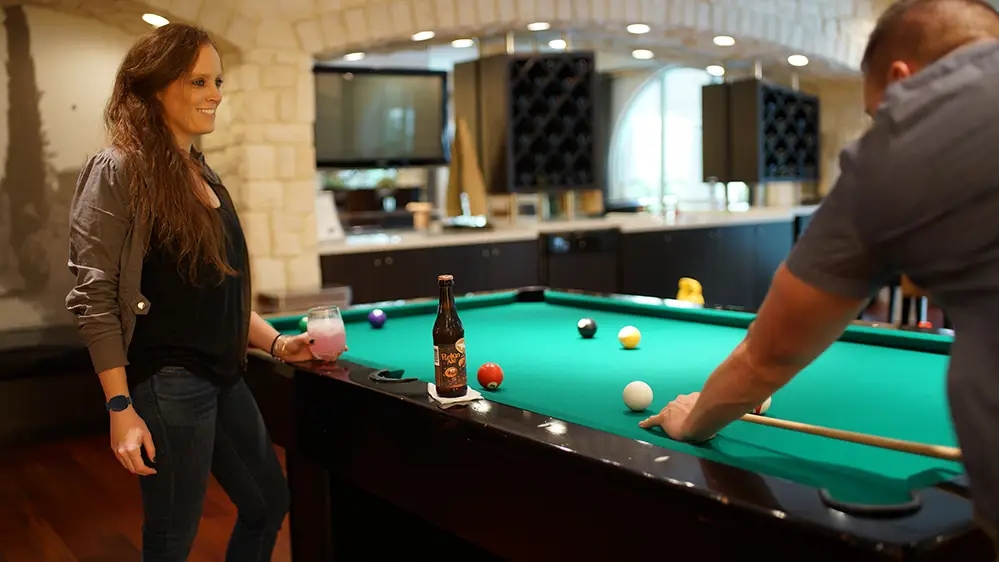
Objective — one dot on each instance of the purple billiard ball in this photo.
(377, 318)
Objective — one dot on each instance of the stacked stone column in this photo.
(263, 148)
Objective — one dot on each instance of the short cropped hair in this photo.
(924, 31)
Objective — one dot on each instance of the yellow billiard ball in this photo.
(629, 336)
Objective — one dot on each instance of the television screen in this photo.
(367, 118)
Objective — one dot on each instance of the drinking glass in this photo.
(325, 327)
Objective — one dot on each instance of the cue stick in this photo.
(938, 451)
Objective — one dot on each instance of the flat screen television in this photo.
(380, 118)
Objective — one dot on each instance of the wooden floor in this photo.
(70, 501)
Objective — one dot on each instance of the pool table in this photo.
(553, 465)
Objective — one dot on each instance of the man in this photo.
(918, 194)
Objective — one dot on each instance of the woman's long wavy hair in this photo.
(159, 173)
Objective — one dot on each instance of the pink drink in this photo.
(330, 337)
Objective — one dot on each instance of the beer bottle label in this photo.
(449, 365)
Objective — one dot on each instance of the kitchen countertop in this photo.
(528, 229)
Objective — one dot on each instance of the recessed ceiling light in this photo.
(423, 35)
(716, 70)
(797, 60)
(539, 26)
(353, 56)
(155, 20)
(462, 43)
(638, 28)
(642, 54)
(724, 41)
(557, 43)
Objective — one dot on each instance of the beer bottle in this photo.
(449, 344)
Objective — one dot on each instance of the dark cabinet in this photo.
(758, 132)
(773, 244)
(407, 274)
(511, 265)
(491, 267)
(467, 264)
(734, 264)
(583, 260)
(653, 262)
(732, 251)
(383, 275)
(532, 119)
(801, 224)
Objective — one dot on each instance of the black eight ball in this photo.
(587, 327)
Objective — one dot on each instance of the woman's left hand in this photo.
(298, 348)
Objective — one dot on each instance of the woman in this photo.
(163, 287)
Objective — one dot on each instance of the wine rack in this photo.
(759, 132)
(533, 119)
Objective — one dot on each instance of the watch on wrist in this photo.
(118, 403)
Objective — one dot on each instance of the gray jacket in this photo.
(106, 251)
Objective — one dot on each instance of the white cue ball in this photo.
(762, 408)
(637, 396)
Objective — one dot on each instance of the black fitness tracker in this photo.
(118, 403)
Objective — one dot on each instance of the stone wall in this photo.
(842, 121)
(263, 148)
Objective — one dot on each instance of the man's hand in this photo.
(673, 417)
(796, 323)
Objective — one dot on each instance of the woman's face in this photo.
(189, 103)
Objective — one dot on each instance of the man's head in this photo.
(913, 34)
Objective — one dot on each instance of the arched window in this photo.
(654, 169)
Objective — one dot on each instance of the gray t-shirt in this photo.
(919, 194)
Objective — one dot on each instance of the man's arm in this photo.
(796, 323)
(832, 270)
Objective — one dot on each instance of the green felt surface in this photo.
(551, 370)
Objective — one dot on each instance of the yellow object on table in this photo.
(690, 290)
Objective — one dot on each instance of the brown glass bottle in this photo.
(449, 344)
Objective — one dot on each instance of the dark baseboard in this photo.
(48, 389)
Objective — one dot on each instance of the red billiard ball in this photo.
(490, 376)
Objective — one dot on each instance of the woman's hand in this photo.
(298, 348)
(128, 435)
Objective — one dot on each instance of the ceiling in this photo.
(613, 54)
(442, 56)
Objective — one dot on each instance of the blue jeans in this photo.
(200, 428)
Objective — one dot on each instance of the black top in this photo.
(196, 327)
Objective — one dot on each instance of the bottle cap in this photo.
(445, 278)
